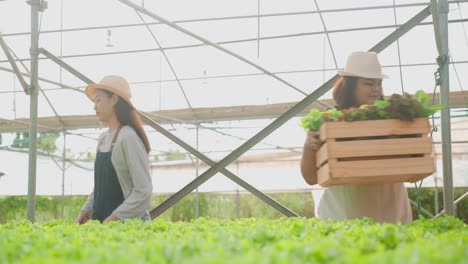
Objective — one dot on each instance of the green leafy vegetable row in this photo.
(292, 240)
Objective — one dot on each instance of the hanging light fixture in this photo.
(109, 34)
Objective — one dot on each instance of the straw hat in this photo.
(113, 83)
(363, 64)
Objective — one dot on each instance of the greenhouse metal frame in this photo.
(438, 9)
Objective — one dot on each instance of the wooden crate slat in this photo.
(384, 167)
(322, 155)
(417, 177)
(367, 180)
(352, 155)
(323, 174)
(374, 128)
(377, 147)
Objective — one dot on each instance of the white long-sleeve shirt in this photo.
(131, 164)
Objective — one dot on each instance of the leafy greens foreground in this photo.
(286, 240)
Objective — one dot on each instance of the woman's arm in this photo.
(88, 207)
(86, 211)
(136, 159)
(308, 163)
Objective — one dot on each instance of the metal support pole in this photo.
(237, 193)
(436, 195)
(64, 156)
(197, 165)
(70, 211)
(33, 92)
(440, 11)
(445, 114)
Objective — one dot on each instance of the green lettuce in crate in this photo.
(315, 118)
(404, 107)
(332, 115)
(381, 105)
(313, 121)
(423, 100)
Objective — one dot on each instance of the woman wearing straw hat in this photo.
(122, 182)
(360, 83)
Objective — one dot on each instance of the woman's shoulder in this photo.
(127, 132)
(129, 135)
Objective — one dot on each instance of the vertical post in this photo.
(197, 165)
(64, 156)
(237, 193)
(436, 194)
(305, 195)
(62, 211)
(443, 9)
(70, 213)
(31, 205)
(258, 32)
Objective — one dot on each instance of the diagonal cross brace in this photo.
(85, 79)
(13, 65)
(262, 196)
(65, 66)
(200, 180)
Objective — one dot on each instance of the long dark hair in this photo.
(128, 116)
(343, 92)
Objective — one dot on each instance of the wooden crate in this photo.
(374, 152)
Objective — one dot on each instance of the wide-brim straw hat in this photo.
(113, 83)
(363, 64)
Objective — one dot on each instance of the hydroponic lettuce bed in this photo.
(293, 240)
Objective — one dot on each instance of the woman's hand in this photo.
(110, 218)
(312, 141)
(82, 218)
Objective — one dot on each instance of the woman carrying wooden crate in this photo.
(360, 83)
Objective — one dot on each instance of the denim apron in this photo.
(107, 190)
